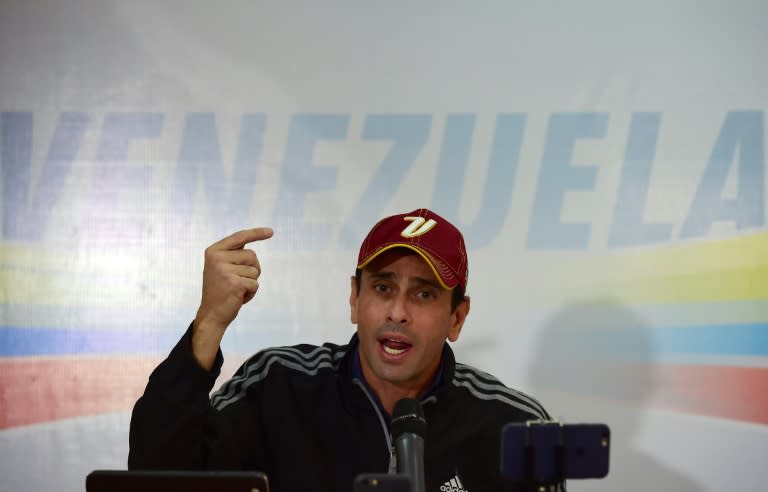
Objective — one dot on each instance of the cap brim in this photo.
(433, 263)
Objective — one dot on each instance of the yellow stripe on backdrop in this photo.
(50, 275)
(727, 270)
(724, 271)
(728, 254)
(727, 285)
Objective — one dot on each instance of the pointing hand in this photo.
(230, 279)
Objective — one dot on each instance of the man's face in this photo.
(403, 318)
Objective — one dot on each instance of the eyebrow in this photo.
(426, 281)
(383, 275)
(415, 280)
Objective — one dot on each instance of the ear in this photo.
(353, 300)
(458, 316)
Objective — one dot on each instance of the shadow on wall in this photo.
(594, 363)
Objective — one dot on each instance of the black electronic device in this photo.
(164, 481)
(379, 482)
(545, 452)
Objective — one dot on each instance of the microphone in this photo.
(408, 430)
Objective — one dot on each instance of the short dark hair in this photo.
(457, 294)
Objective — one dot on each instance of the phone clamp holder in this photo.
(543, 453)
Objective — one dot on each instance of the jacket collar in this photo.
(349, 368)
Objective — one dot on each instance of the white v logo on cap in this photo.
(417, 226)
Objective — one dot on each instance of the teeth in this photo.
(393, 351)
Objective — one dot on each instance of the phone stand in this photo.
(543, 453)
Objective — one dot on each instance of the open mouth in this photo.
(394, 347)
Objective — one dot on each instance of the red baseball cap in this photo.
(435, 239)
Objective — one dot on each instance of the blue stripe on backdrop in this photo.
(736, 339)
(16, 341)
(629, 343)
(725, 340)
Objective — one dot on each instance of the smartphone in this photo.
(547, 451)
(380, 482)
(587, 450)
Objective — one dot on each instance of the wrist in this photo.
(206, 339)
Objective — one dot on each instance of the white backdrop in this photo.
(606, 161)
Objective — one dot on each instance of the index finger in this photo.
(239, 239)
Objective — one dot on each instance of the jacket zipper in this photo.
(387, 435)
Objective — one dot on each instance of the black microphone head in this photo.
(408, 416)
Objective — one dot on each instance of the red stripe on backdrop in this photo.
(35, 390)
(735, 393)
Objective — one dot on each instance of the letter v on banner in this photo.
(417, 226)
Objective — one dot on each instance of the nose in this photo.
(398, 310)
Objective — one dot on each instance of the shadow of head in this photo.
(596, 349)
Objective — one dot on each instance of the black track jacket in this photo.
(299, 415)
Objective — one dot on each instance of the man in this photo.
(313, 417)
